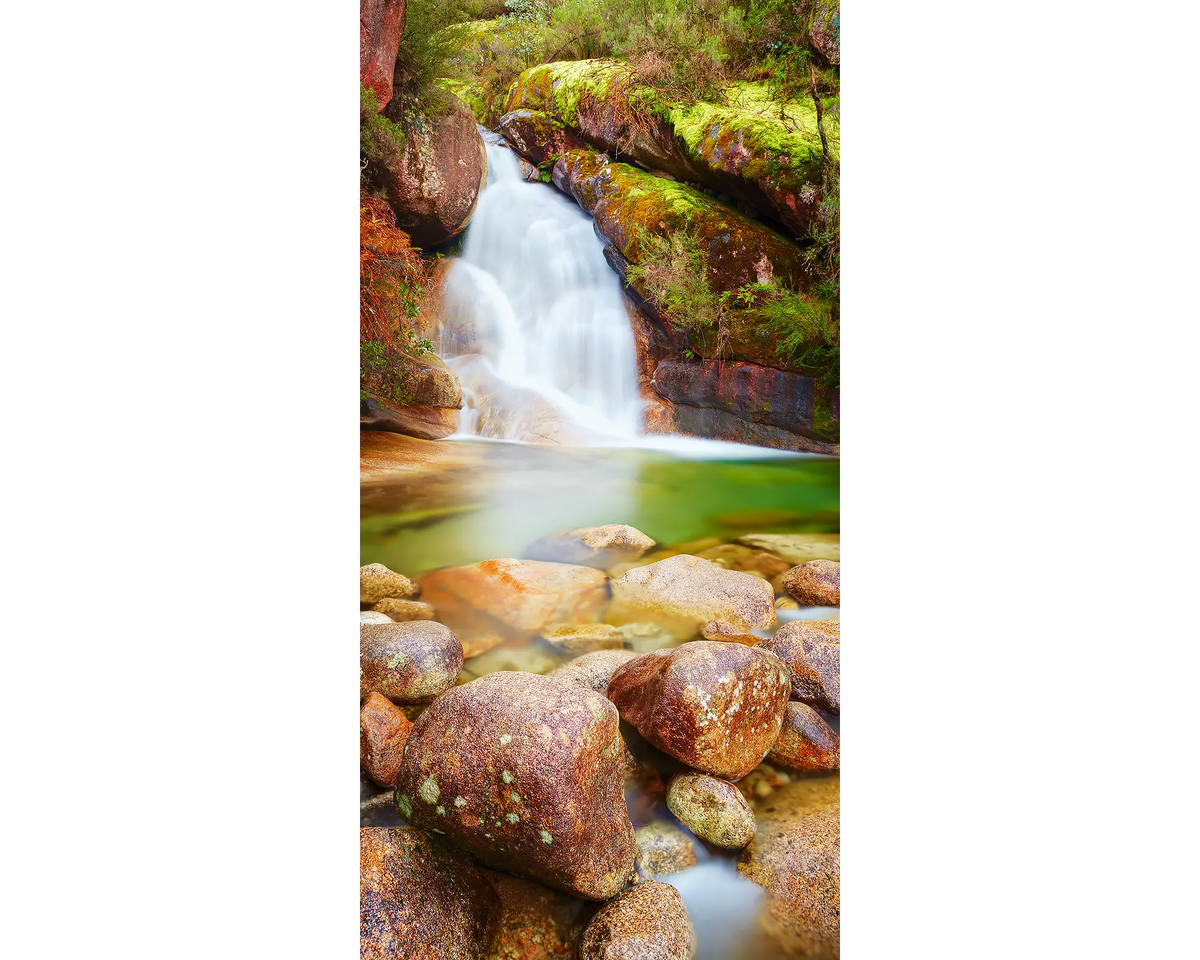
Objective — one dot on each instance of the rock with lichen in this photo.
(420, 899)
(806, 741)
(683, 592)
(713, 809)
(489, 603)
(537, 135)
(646, 922)
(817, 583)
(408, 662)
(525, 772)
(383, 730)
(599, 547)
(812, 650)
(716, 706)
(376, 582)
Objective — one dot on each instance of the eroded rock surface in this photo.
(585, 638)
(712, 809)
(408, 662)
(720, 630)
(381, 24)
(525, 772)
(812, 650)
(646, 922)
(796, 548)
(402, 611)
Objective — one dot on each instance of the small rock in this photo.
(373, 616)
(812, 650)
(377, 582)
(794, 548)
(716, 706)
(403, 611)
(585, 638)
(593, 670)
(712, 809)
(646, 922)
(536, 923)
(663, 848)
(419, 898)
(383, 730)
(806, 742)
(727, 632)
(408, 662)
(815, 584)
(598, 547)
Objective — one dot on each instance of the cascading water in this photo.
(534, 321)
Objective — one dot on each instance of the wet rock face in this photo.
(712, 809)
(816, 583)
(383, 729)
(598, 547)
(487, 603)
(537, 136)
(594, 670)
(421, 900)
(812, 650)
(796, 857)
(662, 848)
(683, 592)
(380, 26)
(806, 742)
(526, 773)
(377, 582)
(401, 611)
(536, 923)
(716, 706)
(646, 922)
(408, 662)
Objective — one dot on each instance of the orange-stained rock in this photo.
(817, 583)
(727, 632)
(593, 670)
(407, 662)
(421, 900)
(716, 706)
(806, 741)
(525, 772)
(646, 922)
(383, 728)
(812, 650)
(488, 603)
(536, 923)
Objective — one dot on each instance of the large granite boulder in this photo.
(812, 650)
(421, 900)
(409, 662)
(409, 393)
(594, 670)
(716, 706)
(525, 772)
(536, 923)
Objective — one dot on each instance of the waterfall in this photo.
(534, 321)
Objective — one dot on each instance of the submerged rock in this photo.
(383, 729)
(806, 741)
(714, 810)
(585, 638)
(502, 600)
(377, 582)
(816, 583)
(593, 670)
(716, 706)
(598, 547)
(421, 900)
(683, 592)
(796, 548)
(662, 848)
(724, 631)
(408, 662)
(526, 773)
(536, 923)
(812, 650)
(646, 922)
(402, 611)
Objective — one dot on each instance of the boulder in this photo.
(408, 662)
(720, 630)
(812, 650)
(401, 611)
(585, 638)
(380, 26)
(646, 922)
(421, 900)
(662, 848)
(714, 810)
(377, 582)
(795, 548)
(816, 583)
(536, 923)
(716, 706)
(806, 741)
(431, 168)
(537, 136)
(495, 601)
(598, 547)
(383, 730)
(526, 773)
(683, 592)
(593, 670)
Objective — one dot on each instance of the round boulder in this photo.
(408, 662)
(812, 650)
(712, 809)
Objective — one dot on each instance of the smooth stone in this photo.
(497, 601)
(816, 583)
(408, 662)
(376, 582)
(536, 922)
(683, 592)
(713, 809)
(419, 898)
(383, 729)
(796, 548)
(526, 773)
(727, 632)
(599, 547)
(585, 638)
(403, 611)
(646, 922)
(662, 848)
(806, 742)
(373, 616)
(812, 650)
(593, 670)
(716, 706)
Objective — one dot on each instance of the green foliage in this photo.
(433, 33)
(378, 137)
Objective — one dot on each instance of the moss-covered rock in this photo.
(537, 136)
